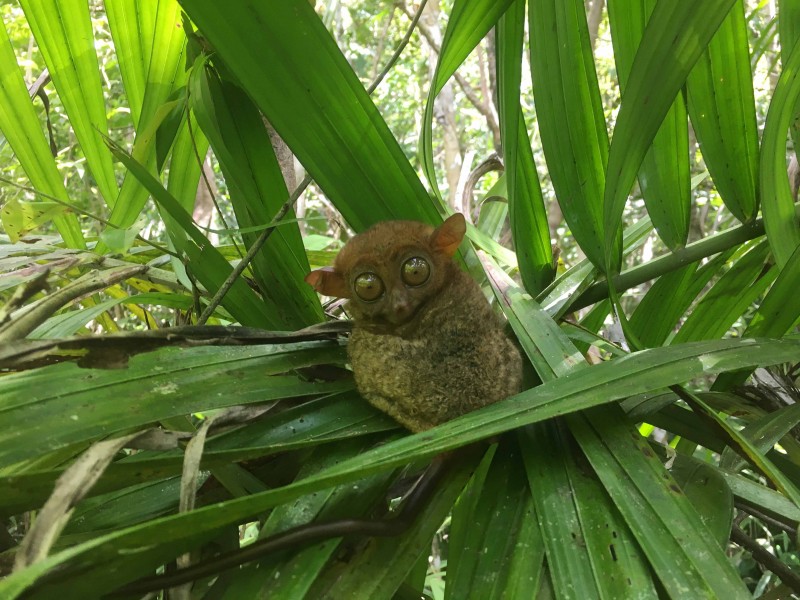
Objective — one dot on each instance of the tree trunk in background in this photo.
(595, 17)
(377, 61)
(488, 69)
(444, 108)
(203, 213)
(285, 157)
(486, 106)
(286, 162)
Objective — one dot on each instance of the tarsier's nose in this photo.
(401, 306)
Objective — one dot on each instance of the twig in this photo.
(252, 251)
(766, 559)
(787, 528)
(400, 47)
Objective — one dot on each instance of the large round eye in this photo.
(416, 271)
(369, 286)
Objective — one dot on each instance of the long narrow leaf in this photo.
(303, 84)
(496, 514)
(20, 126)
(664, 174)
(180, 388)
(723, 112)
(242, 146)
(683, 552)
(636, 373)
(63, 30)
(570, 117)
(165, 72)
(132, 25)
(777, 202)
(529, 226)
(469, 22)
(729, 297)
(207, 263)
(676, 35)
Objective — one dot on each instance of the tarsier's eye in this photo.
(415, 271)
(369, 286)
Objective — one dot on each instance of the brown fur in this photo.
(422, 354)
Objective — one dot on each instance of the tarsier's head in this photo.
(392, 269)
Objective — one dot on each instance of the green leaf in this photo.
(529, 225)
(316, 103)
(570, 117)
(496, 515)
(764, 432)
(668, 300)
(206, 262)
(381, 567)
(775, 316)
(591, 519)
(777, 203)
(339, 416)
(788, 33)
(294, 577)
(132, 25)
(680, 548)
(257, 189)
(568, 552)
(757, 495)
(165, 73)
(747, 448)
(68, 323)
(706, 488)
(20, 218)
(677, 33)
(729, 297)
(723, 112)
(664, 174)
(780, 308)
(188, 153)
(63, 31)
(637, 373)
(177, 382)
(20, 126)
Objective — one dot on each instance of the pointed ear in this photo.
(447, 237)
(329, 282)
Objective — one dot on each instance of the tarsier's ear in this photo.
(329, 282)
(447, 237)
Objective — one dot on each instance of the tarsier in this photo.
(426, 346)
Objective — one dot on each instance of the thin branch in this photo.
(492, 163)
(765, 558)
(693, 252)
(400, 47)
(387, 25)
(787, 528)
(252, 251)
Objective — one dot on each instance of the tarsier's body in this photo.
(426, 346)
